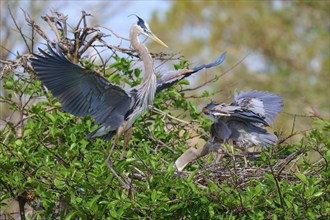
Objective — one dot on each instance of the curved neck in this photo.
(143, 52)
(147, 88)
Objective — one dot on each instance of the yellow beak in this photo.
(156, 39)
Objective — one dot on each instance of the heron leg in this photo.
(218, 153)
(245, 160)
(110, 164)
(127, 138)
(245, 150)
(231, 144)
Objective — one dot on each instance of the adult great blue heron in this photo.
(82, 92)
(239, 124)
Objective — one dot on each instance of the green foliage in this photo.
(47, 155)
(132, 77)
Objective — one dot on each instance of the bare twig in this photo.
(89, 43)
(293, 124)
(154, 109)
(49, 19)
(37, 28)
(113, 32)
(276, 183)
(199, 86)
(19, 29)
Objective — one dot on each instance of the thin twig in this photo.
(276, 183)
(156, 110)
(19, 29)
(113, 32)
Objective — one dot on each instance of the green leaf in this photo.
(71, 214)
(318, 194)
(184, 82)
(18, 142)
(27, 132)
(154, 196)
(73, 137)
(302, 177)
(51, 117)
(59, 184)
(78, 199)
(191, 175)
(211, 211)
(9, 84)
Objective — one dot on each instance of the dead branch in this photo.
(113, 32)
(19, 29)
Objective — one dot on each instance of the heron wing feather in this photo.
(236, 112)
(173, 77)
(250, 134)
(265, 104)
(81, 91)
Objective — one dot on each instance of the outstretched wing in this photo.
(225, 112)
(265, 104)
(174, 76)
(81, 91)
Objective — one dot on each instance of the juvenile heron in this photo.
(241, 121)
(240, 124)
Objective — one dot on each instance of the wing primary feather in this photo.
(81, 91)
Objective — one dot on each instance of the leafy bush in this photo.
(46, 162)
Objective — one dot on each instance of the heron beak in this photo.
(156, 39)
(220, 114)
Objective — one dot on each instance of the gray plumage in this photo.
(82, 92)
(265, 104)
(243, 119)
(173, 77)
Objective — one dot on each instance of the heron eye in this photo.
(147, 30)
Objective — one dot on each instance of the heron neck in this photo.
(148, 86)
(143, 52)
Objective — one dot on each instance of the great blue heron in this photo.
(239, 124)
(82, 92)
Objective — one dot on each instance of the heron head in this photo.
(214, 111)
(144, 29)
(207, 110)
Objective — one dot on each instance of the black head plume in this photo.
(141, 22)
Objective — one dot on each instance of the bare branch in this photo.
(113, 32)
(19, 29)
